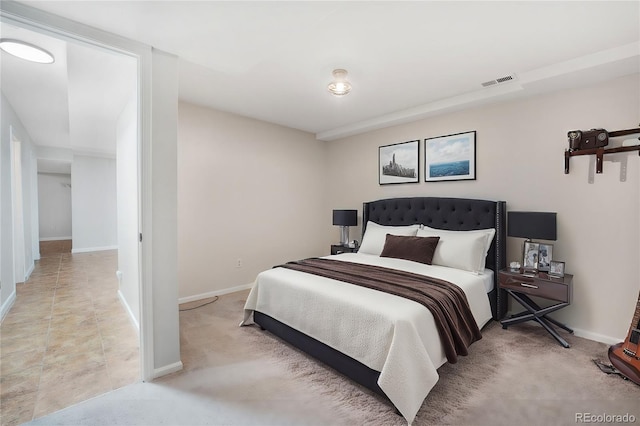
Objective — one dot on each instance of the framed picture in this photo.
(398, 163)
(545, 254)
(451, 157)
(530, 258)
(556, 269)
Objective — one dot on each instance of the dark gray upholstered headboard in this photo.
(456, 214)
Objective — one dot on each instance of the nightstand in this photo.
(520, 286)
(339, 249)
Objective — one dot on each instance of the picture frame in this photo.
(450, 157)
(530, 256)
(556, 269)
(398, 163)
(545, 254)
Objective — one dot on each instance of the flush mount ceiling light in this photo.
(26, 51)
(340, 86)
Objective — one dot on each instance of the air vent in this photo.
(500, 80)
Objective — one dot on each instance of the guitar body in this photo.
(628, 366)
(625, 356)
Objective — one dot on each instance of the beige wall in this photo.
(249, 191)
(282, 185)
(520, 147)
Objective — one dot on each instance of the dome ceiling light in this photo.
(26, 51)
(340, 86)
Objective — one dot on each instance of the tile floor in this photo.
(67, 338)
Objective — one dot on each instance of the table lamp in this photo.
(345, 219)
(530, 225)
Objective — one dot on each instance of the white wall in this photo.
(127, 188)
(30, 206)
(54, 206)
(7, 279)
(9, 122)
(164, 234)
(248, 191)
(93, 203)
(520, 148)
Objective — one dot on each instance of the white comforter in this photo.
(390, 334)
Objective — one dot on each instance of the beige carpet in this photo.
(241, 375)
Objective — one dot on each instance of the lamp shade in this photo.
(538, 225)
(345, 217)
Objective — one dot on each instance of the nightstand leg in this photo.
(543, 322)
(546, 311)
(559, 324)
(538, 314)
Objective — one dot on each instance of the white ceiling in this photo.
(406, 60)
(72, 104)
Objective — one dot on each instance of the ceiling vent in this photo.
(500, 80)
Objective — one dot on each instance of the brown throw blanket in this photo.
(446, 301)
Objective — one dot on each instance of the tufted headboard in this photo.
(455, 214)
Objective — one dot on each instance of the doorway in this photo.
(129, 134)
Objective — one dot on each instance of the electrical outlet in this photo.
(239, 263)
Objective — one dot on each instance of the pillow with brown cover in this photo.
(417, 249)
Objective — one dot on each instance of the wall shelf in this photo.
(600, 152)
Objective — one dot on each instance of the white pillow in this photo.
(489, 232)
(460, 249)
(375, 236)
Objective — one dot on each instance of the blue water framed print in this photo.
(451, 157)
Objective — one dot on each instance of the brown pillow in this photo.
(417, 249)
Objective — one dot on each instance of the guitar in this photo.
(625, 356)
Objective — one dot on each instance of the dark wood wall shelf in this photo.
(599, 152)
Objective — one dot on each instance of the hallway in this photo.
(67, 338)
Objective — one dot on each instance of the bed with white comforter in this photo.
(385, 342)
(387, 333)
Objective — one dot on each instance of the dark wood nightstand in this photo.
(520, 286)
(339, 249)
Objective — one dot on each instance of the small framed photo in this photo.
(451, 157)
(398, 163)
(545, 254)
(530, 261)
(556, 269)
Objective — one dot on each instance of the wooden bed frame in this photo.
(457, 214)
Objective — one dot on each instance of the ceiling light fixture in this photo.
(340, 86)
(26, 51)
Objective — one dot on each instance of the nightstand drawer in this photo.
(535, 287)
(338, 249)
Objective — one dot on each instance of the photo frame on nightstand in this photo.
(556, 269)
(545, 254)
(530, 256)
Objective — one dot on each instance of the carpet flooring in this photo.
(244, 376)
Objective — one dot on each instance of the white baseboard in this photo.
(29, 271)
(214, 293)
(90, 249)
(133, 319)
(6, 306)
(597, 337)
(55, 238)
(167, 369)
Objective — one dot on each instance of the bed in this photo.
(384, 342)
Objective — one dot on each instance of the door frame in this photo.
(36, 20)
(17, 207)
